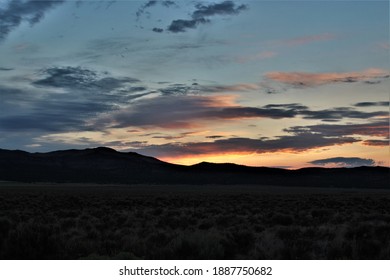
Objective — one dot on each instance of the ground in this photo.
(85, 221)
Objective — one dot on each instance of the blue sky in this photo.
(274, 83)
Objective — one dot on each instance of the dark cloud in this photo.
(291, 106)
(336, 114)
(187, 110)
(17, 12)
(215, 136)
(181, 25)
(372, 104)
(250, 112)
(54, 116)
(376, 128)
(86, 94)
(180, 107)
(295, 143)
(6, 69)
(136, 89)
(344, 162)
(202, 14)
(224, 8)
(377, 143)
(372, 82)
(158, 30)
(81, 78)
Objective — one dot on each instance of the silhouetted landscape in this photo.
(103, 204)
(106, 166)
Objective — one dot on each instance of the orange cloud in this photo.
(316, 79)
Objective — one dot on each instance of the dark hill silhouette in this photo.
(105, 165)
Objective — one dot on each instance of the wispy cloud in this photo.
(259, 56)
(17, 12)
(144, 8)
(6, 69)
(308, 39)
(305, 79)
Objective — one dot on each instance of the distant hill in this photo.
(104, 165)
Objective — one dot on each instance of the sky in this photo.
(287, 84)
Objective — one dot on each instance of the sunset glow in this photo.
(243, 82)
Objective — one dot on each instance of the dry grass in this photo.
(208, 222)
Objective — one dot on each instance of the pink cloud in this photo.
(384, 45)
(316, 79)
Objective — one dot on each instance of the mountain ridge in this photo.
(106, 165)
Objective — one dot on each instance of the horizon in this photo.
(278, 84)
(197, 163)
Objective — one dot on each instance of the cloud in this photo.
(333, 114)
(295, 143)
(202, 14)
(377, 143)
(6, 69)
(223, 8)
(259, 56)
(195, 88)
(308, 39)
(229, 88)
(304, 79)
(180, 107)
(375, 128)
(80, 78)
(185, 111)
(384, 45)
(174, 137)
(372, 104)
(57, 112)
(339, 113)
(181, 25)
(344, 162)
(178, 89)
(143, 9)
(158, 30)
(17, 12)
(83, 94)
